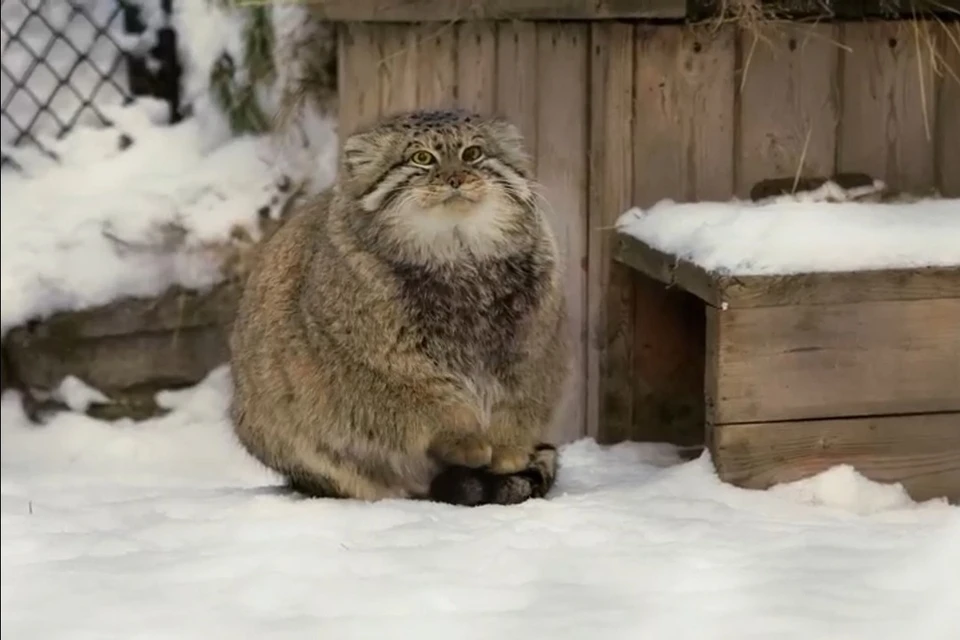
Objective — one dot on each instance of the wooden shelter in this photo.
(623, 103)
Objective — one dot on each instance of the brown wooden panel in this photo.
(450, 10)
(948, 120)
(609, 291)
(788, 104)
(477, 66)
(921, 451)
(683, 148)
(437, 63)
(517, 78)
(684, 119)
(870, 358)
(562, 50)
(888, 103)
(398, 67)
(358, 77)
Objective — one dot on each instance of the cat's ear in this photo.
(363, 151)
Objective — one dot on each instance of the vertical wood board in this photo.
(609, 289)
(398, 68)
(358, 77)
(437, 64)
(477, 66)
(789, 103)
(562, 170)
(948, 113)
(888, 102)
(517, 78)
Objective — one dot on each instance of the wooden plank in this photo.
(562, 50)
(451, 10)
(398, 67)
(684, 114)
(517, 79)
(358, 57)
(739, 291)
(437, 64)
(925, 283)
(888, 103)
(669, 270)
(789, 103)
(805, 362)
(609, 290)
(921, 451)
(948, 123)
(477, 66)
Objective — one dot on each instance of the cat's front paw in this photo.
(510, 459)
(462, 449)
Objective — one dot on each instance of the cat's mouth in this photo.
(458, 196)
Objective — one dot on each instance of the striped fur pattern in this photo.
(404, 334)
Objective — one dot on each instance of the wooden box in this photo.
(803, 372)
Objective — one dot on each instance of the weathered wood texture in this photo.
(694, 10)
(888, 116)
(562, 74)
(825, 361)
(947, 139)
(451, 10)
(617, 114)
(795, 133)
(921, 451)
(609, 291)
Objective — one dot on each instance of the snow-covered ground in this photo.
(799, 234)
(166, 529)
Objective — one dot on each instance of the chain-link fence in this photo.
(63, 61)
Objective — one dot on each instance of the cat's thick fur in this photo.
(404, 334)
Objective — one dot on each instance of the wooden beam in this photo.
(562, 85)
(921, 451)
(610, 294)
(825, 361)
(448, 10)
(739, 291)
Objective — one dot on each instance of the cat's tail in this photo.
(472, 487)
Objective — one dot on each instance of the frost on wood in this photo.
(789, 235)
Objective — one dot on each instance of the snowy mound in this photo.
(789, 236)
(127, 211)
(167, 529)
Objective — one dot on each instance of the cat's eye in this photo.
(471, 153)
(423, 158)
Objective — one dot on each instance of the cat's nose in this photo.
(455, 180)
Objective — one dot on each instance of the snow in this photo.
(791, 235)
(167, 529)
(78, 395)
(112, 214)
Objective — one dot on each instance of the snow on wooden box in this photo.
(831, 333)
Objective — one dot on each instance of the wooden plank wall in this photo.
(617, 114)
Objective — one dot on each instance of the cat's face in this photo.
(430, 173)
